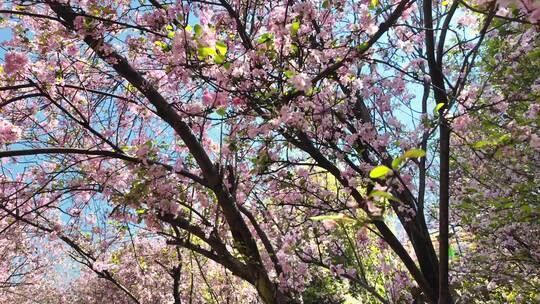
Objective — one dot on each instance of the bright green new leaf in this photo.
(414, 153)
(383, 194)
(295, 27)
(481, 144)
(164, 46)
(380, 171)
(451, 253)
(266, 37)
(206, 51)
(438, 107)
(288, 74)
(198, 30)
(294, 49)
(397, 162)
(219, 59)
(189, 28)
(504, 139)
(221, 47)
(335, 217)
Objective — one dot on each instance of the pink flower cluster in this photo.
(301, 82)
(531, 8)
(8, 132)
(15, 62)
(214, 99)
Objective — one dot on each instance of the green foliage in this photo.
(198, 30)
(324, 289)
(437, 108)
(221, 47)
(504, 164)
(380, 172)
(266, 38)
(338, 218)
(295, 26)
(383, 194)
(413, 153)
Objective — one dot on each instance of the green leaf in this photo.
(288, 74)
(198, 30)
(206, 52)
(438, 107)
(221, 112)
(374, 3)
(451, 253)
(380, 172)
(171, 34)
(189, 28)
(326, 4)
(481, 144)
(294, 49)
(362, 47)
(504, 139)
(335, 217)
(266, 37)
(221, 47)
(164, 46)
(140, 211)
(219, 59)
(414, 153)
(397, 162)
(384, 194)
(295, 27)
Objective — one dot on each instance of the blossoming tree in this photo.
(231, 151)
(496, 171)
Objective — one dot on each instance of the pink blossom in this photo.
(467, 19)
(461, 123)
(208, 98)
(303, 173)
(237, 101)
(15, 62)
(301, 82)
(372, 28)
(178, 165)
(337, 270)
(8, 132)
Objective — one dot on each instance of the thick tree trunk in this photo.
(444, 197)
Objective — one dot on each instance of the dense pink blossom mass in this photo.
(296, 151)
